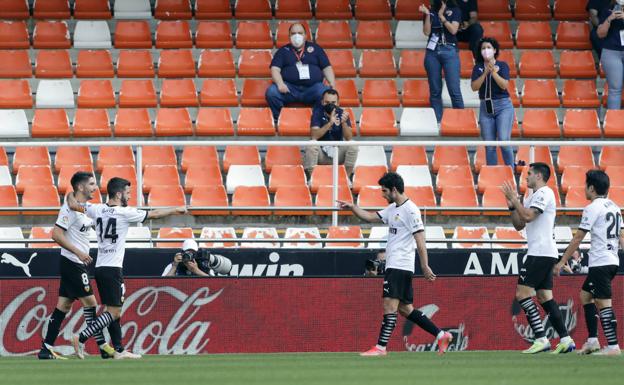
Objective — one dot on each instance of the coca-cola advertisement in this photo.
(225, 315)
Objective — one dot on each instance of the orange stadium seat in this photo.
(16, 64)
(41, 196)
(293, 9)
(614, 124)
(53, 64)
(213, 195)
(51, 9)
(173, 122)
(133, 34)
(158, 156)
(581, 124)
(253, 9)
(213, 9)
(173, 9)
(323, 175)
(373, 10)
(50, 123)
(494, 10)
(616, 174)
(533, 10)
(575, 156)
(253, 92)
(39, 232)
(407, 9)
(178, 93)
(214, 122)
(367, 176)
(457, 122)
(213, 34)
(33, 176)
(133, 122)
(377, 64)
(94, 64)
(573, 35)
(508, 57)
(282, 37)
(293, 196)
(415, 93)
(240, 155)
(4, 160)
(494, 176)
(333, 9)
(15, 94)
(137, 93)
(30, 156)
(281, 155)
(508, 233)
(173, 34)
(127, 172)
(466, 60)
(459, 197)
(198, 155)
(90, 122)
(159, 176)
(494, 197)
(255, 121)
(14, 35)
(573, 176)
(92, 9)
(72, 156)
(294, 122)
(449, 156)
(216, 64)
(616, 194)
(577, 64)
(14, 9)
(254, 63)
(253, 35)
(540, 123)
(380, 93)
(286, 175)
(8, 198)
(537, 64)
(540, 93)
(202, 175)
(479, 158)
(541, 154)
(334, 34)
(176, 63)
(575, 197)
(114, 156)
(378, 122)
(255, 196)
(453, 176)
(174, 232)
(408, 156)
(570, 10)
(348, 92)
(580, 93)
(51, 34)
(373, 34)
(135, 64)
(423, 196)
(344, 232)
(500, 31)
(411, 64)
(325, 198)
(534, 34)
(513, 93)
(96, 94)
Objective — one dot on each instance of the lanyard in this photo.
(299, 56)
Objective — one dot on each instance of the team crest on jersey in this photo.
(449, 13)
(310, 49)
(65, 219)
(87, 288)
(396, 217)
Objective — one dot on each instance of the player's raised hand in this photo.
(345, 205)
(428, 273)
(509, 190)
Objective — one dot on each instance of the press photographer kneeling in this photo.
(193, 261)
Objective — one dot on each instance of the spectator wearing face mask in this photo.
(611, 31)
(593, 8)
(496, 114)
(298, 69)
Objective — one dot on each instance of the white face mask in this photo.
(487, 53)
(297, 40)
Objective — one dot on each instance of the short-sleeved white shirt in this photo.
(76, 226)
(403, 221)
(603, 219)
(540, 232)
(111, 228)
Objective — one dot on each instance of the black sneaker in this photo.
(107, 352)
(48, 354)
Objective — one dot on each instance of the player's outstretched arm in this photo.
(162, 213)
(421, 245)
(573, 246)
(364, 215)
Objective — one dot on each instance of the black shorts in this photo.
(74, 280)
(536, 272)
(398, 285)
(598, 281)
(110, 285)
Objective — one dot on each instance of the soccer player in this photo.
(406, 231)
(603, 219)
(71, 233)
(111, 226)
(537, 215)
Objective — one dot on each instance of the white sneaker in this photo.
(126, 355)
(78, 347)
(609, 351)
(590, 347)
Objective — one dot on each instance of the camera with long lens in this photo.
(375, 265)
(218, 263)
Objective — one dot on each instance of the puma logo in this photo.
(8, 258)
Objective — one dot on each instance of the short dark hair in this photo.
(599, 179)
(116, 185)
(541, 168)
(80, 177)
(392, 180)
(330, 91)
(477, 50)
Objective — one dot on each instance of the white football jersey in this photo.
(111, 228)
(404, 221)
(603, 219)
(541, 231)
(76, 226)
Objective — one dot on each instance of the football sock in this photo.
(54, 326)
(98, 324)
(533, 317)
(609, 325)
(417, 317)
(591, 320)
(114, 329)
(89, 315)
(552, 308)
(387, 326)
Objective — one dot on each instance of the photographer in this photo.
(377, 266)
(192, 261)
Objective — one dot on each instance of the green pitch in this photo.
(321, 368)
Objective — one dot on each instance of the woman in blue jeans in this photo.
(496, 115)
(611, 31)
(441, 24)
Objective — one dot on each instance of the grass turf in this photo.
(321, 368)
